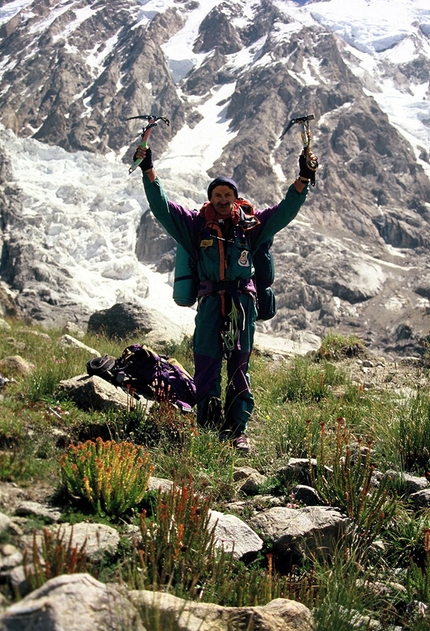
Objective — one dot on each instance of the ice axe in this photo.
(146, 132)
(306, 139)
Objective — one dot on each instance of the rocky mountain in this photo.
(356, 260)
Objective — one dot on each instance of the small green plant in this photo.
(177, 542)
(52, 556)
(310, 382)
(418, 573)
(344, 594)
(111, 477)
(343, 478)
(412, 433)
(178, 553)
(18, 465)
(407, 548)
(335, 346)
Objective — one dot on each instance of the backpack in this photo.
(264, 276)
(186, 284)
(140, 370)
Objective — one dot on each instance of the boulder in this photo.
(15, 365)
(296, 533)
(36, 509)
(95, 393)
(76, 602)
(174, 613)
(95, 538)
(125, 320)
(5, 523)
(234, 535)
(68, 341)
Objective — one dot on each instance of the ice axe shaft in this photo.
(146, 132)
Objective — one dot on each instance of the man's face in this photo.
(223, 199)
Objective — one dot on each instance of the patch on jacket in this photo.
(244, 259)
(206, 243)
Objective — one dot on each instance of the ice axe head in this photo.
(311, 160)
(299, 120)
(151, 122)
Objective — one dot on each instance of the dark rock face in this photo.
(120, 321)
(356, 258)
(126, 319)
(152, 242)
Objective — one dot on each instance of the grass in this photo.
(306, 407)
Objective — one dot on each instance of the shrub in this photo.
(309, 382)
(177, 543)
(343, 478)
(111, 477)
(335, 346)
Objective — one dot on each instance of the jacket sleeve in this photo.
(179, 222)
(273, 219)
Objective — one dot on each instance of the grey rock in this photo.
(242, 473)
(16, 365)
(95, 538)
(279, 614)
(76, 602)
(10, 557)
(306, 495)
(4, 326)
(153, 243)
(155, 484)
(250, 480)
(252, 484)
(421, 499)
(8, 306)
(48, 513)
(297, 469)
(124, 320)
(68, 341)
(234, 535)
(98, 394)
(71, 328)
(298, 532)
(412, 483)
(18, 581)
(5, 522)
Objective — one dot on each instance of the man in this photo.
(221, 238)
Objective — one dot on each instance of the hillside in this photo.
(324, 406)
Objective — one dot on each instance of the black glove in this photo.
(308, 164)
(146, 163)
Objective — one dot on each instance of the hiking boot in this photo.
(241, 443)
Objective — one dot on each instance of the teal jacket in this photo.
(187, 227)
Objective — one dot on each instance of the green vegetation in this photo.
(99, 463)
(111, 477)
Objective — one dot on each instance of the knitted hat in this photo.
(222, 181)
